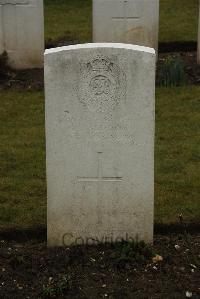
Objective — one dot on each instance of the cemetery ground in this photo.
(23, 186)
(28, 269)
(178, 22)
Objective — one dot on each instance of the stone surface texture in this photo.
(126, 21)
(22, 32)
(100, 143)
(198, 49)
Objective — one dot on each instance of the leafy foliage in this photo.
(172, 72)
(57, 288)
(134, 252)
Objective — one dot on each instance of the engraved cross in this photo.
(126, 18)
(98, 180)
(100, 177)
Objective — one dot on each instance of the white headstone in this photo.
(22, 32)
(126, 21)
(100, 143)
(198, 49)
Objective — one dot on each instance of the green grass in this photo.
(22, 148)
(177, 154)
(178, 20)
(71, 20)
(22, 166)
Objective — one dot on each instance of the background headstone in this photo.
(22, 32)
(100, 142)
(198, 48)
(126, 21)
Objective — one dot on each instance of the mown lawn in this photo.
(22, 163)
(22, 166)
(177, 154)
(178, 20)
(71, 20)
(68, 19)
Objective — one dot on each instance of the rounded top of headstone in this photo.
(101, 45)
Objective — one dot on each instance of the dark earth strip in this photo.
(34, 79)
(31, 270)
(40, 233)
(189, 46)
(163, 47)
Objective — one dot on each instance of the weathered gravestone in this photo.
(198, 49)
(126, 21)
(100, 143)
(22, 32)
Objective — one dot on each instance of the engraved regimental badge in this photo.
(102, 84)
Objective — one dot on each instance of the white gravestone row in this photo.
(22, 32)
(126, 21)
(100, 143)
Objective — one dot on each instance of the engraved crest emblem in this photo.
(102, 84)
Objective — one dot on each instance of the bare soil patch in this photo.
(30, 270)
(34, 79)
